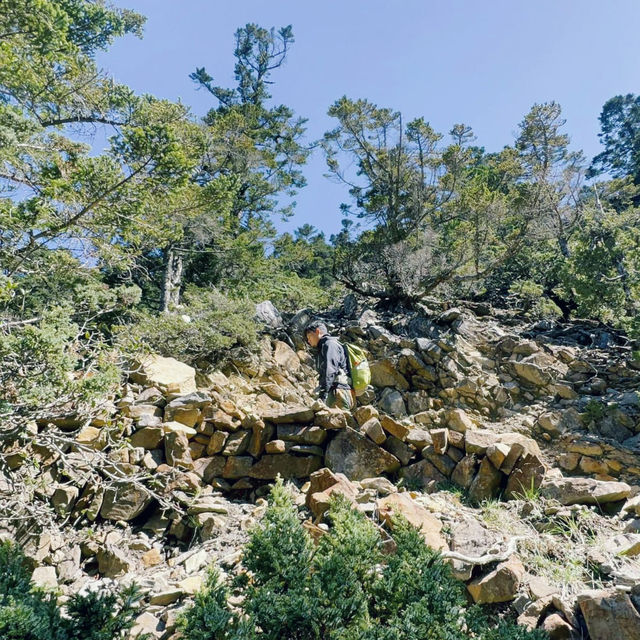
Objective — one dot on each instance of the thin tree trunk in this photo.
(172, 279)
(624, 277)
(564, 246)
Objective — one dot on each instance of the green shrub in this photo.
(53, 360)
(594, 411)
(206, 330)
(531, 296)
(31, 613)
(345, 588)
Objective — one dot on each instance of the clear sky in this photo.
(481, 63)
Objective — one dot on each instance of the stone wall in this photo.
(455, 399)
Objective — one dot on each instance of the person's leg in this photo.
(341, 399)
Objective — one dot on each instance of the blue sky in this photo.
(481, 63)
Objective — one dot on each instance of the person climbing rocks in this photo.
(333, 367)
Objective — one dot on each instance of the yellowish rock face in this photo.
(167, 374)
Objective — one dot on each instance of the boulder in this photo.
(419, 438)
(540, 588)
(332, 419)
(124, 500)
(527, 475)
(418, 401)
(557, 627)
(178, 427)
(357, 457)
(301, 435)
(113, 561)
(209, 468)
(189, 402)
(443, 463)
(404, 452)
(64, 498)
(530, 372)
(289, 414)
(237, 443)
(152, 558)
(457, 439)
(497, 453)
(323, 479)
(479, 440)
(91, 437)
(285, 356)
(609, 614)
(146, 623)
(164, 598)
(529, 445)
(551, 423)
(277, 446)
(362, 414)
(221, 419)
(422, 474)
(261, 433)
(385, 374)
(373, 429)
(570, 491)
(464, 472)
(469, 538)
(45, 577)
(392, 402)
(288, 466)
(625, 544)
(237, 467)
(500, 585)
(216, 442)
(532, 611)
(147, 437)
(323, 484)
(140, 411)
(383, 486)
(486, 484)
(418, 516)
(586, 448)
(394, 427)
(458, 420)
(410, 362)
(267, 314)
(208, 504)
(191, 585)
(211, 526)
(68, 569)
(632, 505)
(440, 439)
(167, 374)
(176, 450)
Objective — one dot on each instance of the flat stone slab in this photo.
(570, 491)
(288, 466)
(290, 414)
(358, 457)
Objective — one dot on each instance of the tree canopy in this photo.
(180, 215)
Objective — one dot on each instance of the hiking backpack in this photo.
(360, 371)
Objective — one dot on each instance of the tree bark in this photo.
(172, 279)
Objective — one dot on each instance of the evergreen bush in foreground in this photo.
(31, 613)
(344, 588)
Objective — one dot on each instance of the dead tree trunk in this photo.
(172, 279)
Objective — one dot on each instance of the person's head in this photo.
(314, 331)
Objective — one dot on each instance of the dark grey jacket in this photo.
(332, 360)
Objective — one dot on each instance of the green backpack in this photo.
(360, 371)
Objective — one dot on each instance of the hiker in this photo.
(333, 367)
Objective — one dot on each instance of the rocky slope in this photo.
(516, 449)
